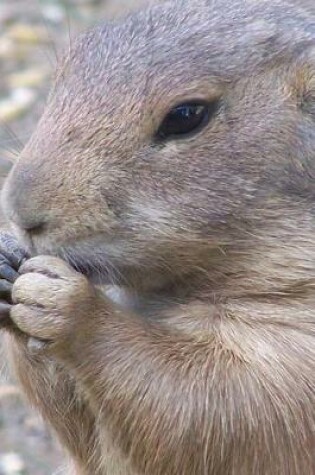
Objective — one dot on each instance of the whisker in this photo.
(13, 140)
(10, 154)
(52, 42)
(9, 148)
(13, 136)
(66, 7)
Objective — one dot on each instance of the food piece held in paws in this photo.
(12, 256)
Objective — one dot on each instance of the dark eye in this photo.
(186, 119)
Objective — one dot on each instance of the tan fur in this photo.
(201, 361)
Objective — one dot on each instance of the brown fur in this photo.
(207, 366)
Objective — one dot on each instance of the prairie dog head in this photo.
(169, 138)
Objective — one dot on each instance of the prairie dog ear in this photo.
(303, 87)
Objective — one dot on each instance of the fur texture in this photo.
(207, 366)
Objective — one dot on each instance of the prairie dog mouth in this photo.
(85, 257)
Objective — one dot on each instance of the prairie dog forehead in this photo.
(180, 42)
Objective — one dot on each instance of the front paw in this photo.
(50, 299)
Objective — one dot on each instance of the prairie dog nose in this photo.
(22, 204)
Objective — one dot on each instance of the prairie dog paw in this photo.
(48, 299)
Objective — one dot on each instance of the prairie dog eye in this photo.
(187, 118)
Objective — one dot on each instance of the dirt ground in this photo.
(32, 32)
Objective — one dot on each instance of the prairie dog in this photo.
(175, 162)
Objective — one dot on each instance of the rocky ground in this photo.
(32, 32)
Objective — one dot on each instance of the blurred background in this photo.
(32, 33)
